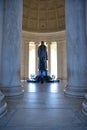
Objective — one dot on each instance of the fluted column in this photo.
(64, 60)
(26, 59)
(22, 60)
(76, 48)
(59, 60)
(1, 33)
(49, 62)
(3, 104)
(11, 49)
(36, 56)
(84, 104)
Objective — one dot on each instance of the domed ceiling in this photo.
(43, 15)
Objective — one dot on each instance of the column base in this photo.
(84, 106)
(3, 105)
(73, 91)
(12, 91)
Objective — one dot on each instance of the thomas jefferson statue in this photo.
(42, 57)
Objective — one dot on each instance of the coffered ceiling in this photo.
(43, 15)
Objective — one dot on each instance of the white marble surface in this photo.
(44, 107)
(84, 106)
(3, 104)
(1, 29)
(76, 48)
(11, 49)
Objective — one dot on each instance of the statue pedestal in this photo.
(43, 76)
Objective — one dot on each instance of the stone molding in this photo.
(11, 91)
(47, 37)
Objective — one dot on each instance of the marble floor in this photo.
(44, 107)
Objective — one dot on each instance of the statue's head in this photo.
(42, 42)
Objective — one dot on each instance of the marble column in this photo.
(84, 104)
(36, 57)
(11, 48)
(3, 104)
(49, 55)
(22, 60)
(63, 60)
(76, 48)
(26, 59)
(59, 60)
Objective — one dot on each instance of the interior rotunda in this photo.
(61, 24)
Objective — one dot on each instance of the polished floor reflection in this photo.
(45, 87)
(44, 107)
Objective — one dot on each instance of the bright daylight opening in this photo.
(32, 60)
(54, 59)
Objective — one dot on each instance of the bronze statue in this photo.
(43, 74)
(42, 57)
